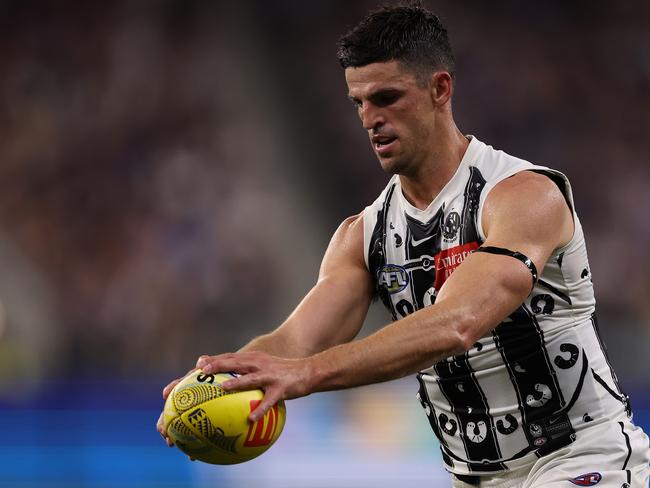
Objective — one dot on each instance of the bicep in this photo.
(335, 308)
(483, 291)
(526, 214)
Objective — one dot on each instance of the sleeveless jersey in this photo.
(538, 379)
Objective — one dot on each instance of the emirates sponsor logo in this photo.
(447, 260)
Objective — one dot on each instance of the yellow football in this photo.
(211, 425)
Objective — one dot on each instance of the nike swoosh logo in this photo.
(417, 243)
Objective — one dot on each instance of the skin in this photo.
(313, 350)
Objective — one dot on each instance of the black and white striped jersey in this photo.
(537, 380)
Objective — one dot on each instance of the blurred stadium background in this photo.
(171, 172)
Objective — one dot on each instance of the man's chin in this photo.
(391, 164)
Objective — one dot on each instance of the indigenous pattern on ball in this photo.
(180, 428)
(211, 425)
(194, 395)
(200, 421)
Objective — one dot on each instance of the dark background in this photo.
(171, 172)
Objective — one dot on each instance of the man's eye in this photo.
(386, 99)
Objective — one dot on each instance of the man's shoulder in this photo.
(353, 223)
(529, 187)
(530, 199)
(504, 172)
(346, 245)
(350, 231)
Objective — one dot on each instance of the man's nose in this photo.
(371, 117)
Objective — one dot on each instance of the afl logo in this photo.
(452, 224)
(393, 278)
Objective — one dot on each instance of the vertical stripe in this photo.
(377, 251)
(472, 198)
(419, 257)
(407, 247)
(456, 378)
(521, 344)
(467, 401)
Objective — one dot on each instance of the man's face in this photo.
(397, 113)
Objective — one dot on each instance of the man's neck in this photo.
(422, 187)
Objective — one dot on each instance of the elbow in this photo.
(467, 330)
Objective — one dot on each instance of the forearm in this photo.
(316, 325)
(399, 349)
(462, 314)
(333, 311)
(276, 343)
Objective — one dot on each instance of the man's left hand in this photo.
(280, 379)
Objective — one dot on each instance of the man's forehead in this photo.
(375, 75)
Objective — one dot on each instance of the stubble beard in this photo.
(396, 165)
(392, 165)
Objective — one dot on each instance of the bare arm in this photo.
(526, 213)
(484, 290)
(333, 311)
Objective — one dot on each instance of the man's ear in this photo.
(441, 87)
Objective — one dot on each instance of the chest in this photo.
(413, 255)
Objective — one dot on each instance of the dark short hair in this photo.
(408, 33)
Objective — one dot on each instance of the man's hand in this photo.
(280, 379)
(160, 425)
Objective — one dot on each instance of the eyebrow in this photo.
(380, 91)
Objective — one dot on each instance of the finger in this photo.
(208, 361)
(264, 406)
(202, 359)
(168, 389)
(229, 362)
(243, 382)
(160, 427)
(167, 440)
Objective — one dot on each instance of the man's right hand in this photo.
(160, 425)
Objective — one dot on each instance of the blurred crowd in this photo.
(171, 170)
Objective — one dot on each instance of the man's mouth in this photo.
(383, 144)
